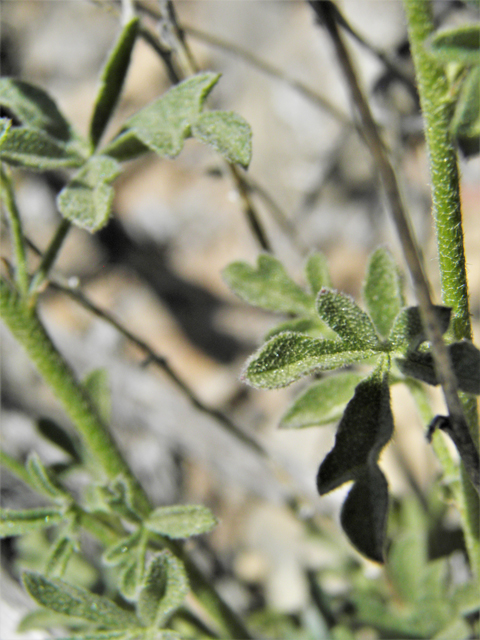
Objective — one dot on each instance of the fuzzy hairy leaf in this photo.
(341, 313)
(120, 551)
(364, 513)
(43, 480)
(181, 521)
(460, 44)
(15, 523)
(323, 402)
(163, 591)
(407, 333)
(59, 556)
(365, 428)
(383, 291)
(111, 80)
(58, 436)
(62, 597)
(466, 120)
(108, 635)
(96, 384)
(87, 199)
(289, 356)
(164, 124)
(125, 146)
(316, 271)
(131, 577)
(456, 630)
(267, 286)
(309, 325)
(35, 149)
(34, 108)
(227, 132)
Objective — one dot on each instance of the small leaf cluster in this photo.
(149, 576)
(328, 331)
(39, 137)
(458, 48)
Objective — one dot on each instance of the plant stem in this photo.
(437, 112)
(49, 256)
(6, 191)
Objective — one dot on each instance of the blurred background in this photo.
(157, 268)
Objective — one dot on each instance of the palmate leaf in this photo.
(57, 595)
(383, 291)
(344, 316)
(181, 521)
(15, 523)
(267, 286)
(289, 356)
(227, 132)
(323, 402)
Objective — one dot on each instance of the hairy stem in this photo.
(50, 256)
(10, 206)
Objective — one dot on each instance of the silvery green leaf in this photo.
(227, 132)
(341, 313)
(268, 286)
(58, 436)
(164, 589)
(131, 634)
(458, 44)
(407, 333)
(43, 480)
(87, 199)
(365, 428)
(5, 124)
(323, 402)
(15, 523)
(466, 120)
(289, 356)
(120, 551)
(43, 619)
(309, 325)
(111, 80)
(34, 108)
(59, 557)
(125, 146)
(35, 149)
(181, 521)
(120, 498)
(131, 576)
(317, 272)
(383, 291)
(164, 124)
(364, 513)
(62, 597)
(96, 384)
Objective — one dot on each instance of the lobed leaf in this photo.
(341, 313)
(227, 132)
(57, 595)
(407, 333)
(365, 428)
(460, 44)
(316, 271)
(323, 402)
(383, 291)
(163, 591)
(267, 286)
(112, 79)
(289, 356)
(87, 199)
(16, 523)
(181, 521)
(364, 513)
(34, 149)
(163, 125)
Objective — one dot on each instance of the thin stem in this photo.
(250, 211)
(13, 215)
(411, 252)
(49, 257)
(17, 468)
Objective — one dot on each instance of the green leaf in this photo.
(97, 386)
(227, 132)
(345, 317)
(59, 557)
(289, 356)
(317, 273)
(181, 521)
(364, 513)
(119, 497)
(268, 286)
(44, 482)
(5, 125)
(310, 325)
(460, 44)
(58, 436)
(383, 291)
(407, 333)
(164, 589)
(365, 428)
(323, 402)
(466, 598)
(456, 630)
(120, 551)
(125, 146)
(163, 125)
(62, 597)
(34, 108)
(465, 359)
(111, 80)
(87, 199)
(131, 577)
(15, 523)
(109, 635)
(34, 149)
(466, 120)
